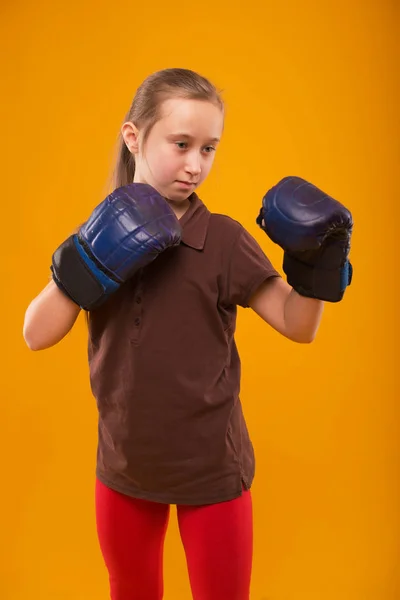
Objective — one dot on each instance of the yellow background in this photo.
(311, 90)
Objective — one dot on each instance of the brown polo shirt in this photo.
(165, 369)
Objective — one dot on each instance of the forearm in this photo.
(48, 318)
(302, 317)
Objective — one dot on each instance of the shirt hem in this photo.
(173, 498)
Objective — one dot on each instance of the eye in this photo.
(181, 145)
(210, 149)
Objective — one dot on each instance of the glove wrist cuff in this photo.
(78, 276)
(316, 282)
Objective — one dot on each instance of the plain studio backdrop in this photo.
(311, 90)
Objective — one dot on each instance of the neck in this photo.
(179, 208)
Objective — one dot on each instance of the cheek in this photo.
(163, 162)
(207, 166)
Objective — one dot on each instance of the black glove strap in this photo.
(74, 278)
(315, 282)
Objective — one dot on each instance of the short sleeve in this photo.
(248, 268)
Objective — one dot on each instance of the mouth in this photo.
(186, 184)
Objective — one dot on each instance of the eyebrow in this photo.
(189, 137)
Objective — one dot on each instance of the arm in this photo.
(48, 318)
(294, 316)
(314, 230)
(91, 266)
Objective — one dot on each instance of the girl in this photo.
(164, 366)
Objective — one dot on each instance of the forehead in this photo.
(198, 118)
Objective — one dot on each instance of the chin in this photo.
(174, 197)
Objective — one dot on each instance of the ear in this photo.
(130, 133)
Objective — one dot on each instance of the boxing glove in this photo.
(124, 233)
(314, 231)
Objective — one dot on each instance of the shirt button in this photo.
(137, 321)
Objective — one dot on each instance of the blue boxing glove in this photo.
(314, 231)
(124, 233)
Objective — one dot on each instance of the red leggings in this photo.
(217, 539)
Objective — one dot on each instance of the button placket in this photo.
(137, 312)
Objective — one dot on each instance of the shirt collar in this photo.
(194, 223)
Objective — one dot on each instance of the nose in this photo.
(193, 163)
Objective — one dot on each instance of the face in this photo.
(180, 148)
